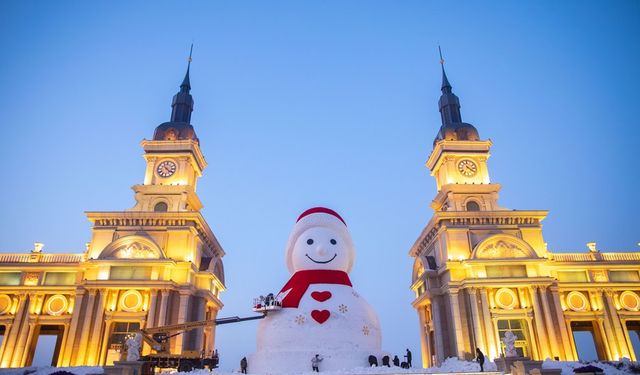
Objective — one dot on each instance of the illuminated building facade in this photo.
(157, 263)
(482, 270)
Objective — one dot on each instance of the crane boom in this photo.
(157, 337)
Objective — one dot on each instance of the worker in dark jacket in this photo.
(396, 361)
(408, 357)
(480, 359)
(243, 365)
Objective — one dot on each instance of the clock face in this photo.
(166, 168)
(467, 168)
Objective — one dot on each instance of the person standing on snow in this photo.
(480, 359)
(315, 362)
(243, 365)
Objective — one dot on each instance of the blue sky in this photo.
(299, 104)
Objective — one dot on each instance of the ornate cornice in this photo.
(158, 219)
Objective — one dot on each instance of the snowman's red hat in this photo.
(319, 217)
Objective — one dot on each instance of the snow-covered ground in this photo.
(47, 370)
(610, 368)
(451, 365)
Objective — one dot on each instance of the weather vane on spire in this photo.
(190, 54)
(441, 59)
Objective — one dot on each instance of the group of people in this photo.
(268, 300)
(315, 362)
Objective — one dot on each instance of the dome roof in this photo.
(174, 131)
(457, 131)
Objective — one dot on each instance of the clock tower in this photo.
(459, 161)
(174, 161)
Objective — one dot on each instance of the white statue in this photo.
(509, 342)
(133, 343)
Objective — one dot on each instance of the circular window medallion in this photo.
(57, 305)
(131, 301)
(506, 298)
(577, 301)
(5, 304)
(630, 301)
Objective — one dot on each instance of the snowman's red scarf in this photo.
(300, 281)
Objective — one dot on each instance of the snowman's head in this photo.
(320, 241)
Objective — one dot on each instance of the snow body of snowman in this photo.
(321, 312)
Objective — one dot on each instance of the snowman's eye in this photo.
(333, 242)
(309, 241)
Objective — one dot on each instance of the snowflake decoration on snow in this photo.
(355, 294)
(343, 309)
(300, 319)
(365, 330)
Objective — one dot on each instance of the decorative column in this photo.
(427, 331)
(94, 348)
(477, 328)
(162, 314)
(456, 322)
(604, 338)
(437, 329)
(25, 327)
(86, 326)
(562, 326)
(67, 350)
(200, 303)
(532, 339)
(540, 329)
(151, 314)
(27, 344)
(182, 315)
(494, 348)
(63, 344)
(12, 336)
(423, 333)
(105, 341)
(549, 323)
(617, 327)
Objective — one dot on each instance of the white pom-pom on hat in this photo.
(319, 217)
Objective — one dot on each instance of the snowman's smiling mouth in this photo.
(321, 262)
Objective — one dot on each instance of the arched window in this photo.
(473, 206)
(160, 207)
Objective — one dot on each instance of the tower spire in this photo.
(445, 82)
(449, 103)
(182, 104)
(452, 126)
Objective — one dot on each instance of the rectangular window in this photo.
(9, 278)
(572, 276)
(519, 328)
(506, 271)
(59, 278)
(119, 333)
(130, 273)
(624, 276)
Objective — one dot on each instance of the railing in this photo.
(620, 256)
(596, 256)
(573, 257)
(61, 258)
(40, 258)
(14, 258)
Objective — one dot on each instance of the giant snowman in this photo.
(321, 311)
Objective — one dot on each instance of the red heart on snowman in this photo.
(320, 316)
(321, 296)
